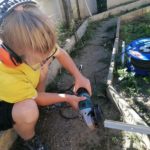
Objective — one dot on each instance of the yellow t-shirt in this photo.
(18, 84)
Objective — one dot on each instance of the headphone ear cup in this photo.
(7, 59)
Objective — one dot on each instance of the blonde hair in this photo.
(28, 29)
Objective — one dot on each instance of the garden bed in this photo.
(132, 93)
(136, 89)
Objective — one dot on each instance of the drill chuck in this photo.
(85, 108)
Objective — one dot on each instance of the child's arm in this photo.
(68, 64)
(44, 99)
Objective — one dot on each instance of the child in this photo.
(27, 48)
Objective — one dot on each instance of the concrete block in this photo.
(7, 138)
(81, 31)
(134, 14)
(114, 3)
(119, 10)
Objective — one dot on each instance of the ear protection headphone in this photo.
(9, 57)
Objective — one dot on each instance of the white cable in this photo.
(88, 8)
(123, 53)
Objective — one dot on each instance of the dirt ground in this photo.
(63, 134)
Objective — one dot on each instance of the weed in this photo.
(115, 140)
(138, 28)
(64, 32)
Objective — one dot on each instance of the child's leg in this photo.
(25, 115)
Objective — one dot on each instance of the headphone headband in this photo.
(6, 6)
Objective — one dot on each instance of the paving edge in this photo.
(120, 10)
(7, 138)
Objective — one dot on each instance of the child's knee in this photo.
(25, 112)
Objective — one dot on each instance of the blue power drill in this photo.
(91, 114)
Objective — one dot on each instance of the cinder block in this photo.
(7, 138)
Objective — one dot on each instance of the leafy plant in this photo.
(128, 82)
(131, 84)
(138, 28)
(64, 32)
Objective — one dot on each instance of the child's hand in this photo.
(82, 82)
(74, 100)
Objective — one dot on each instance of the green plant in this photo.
(128, 82)
(64, 32)
(131, 84)
(115, 140)
(136, 29)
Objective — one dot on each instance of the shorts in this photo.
(6, 120)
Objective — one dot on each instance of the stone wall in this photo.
(84, 5)
(55, 10)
